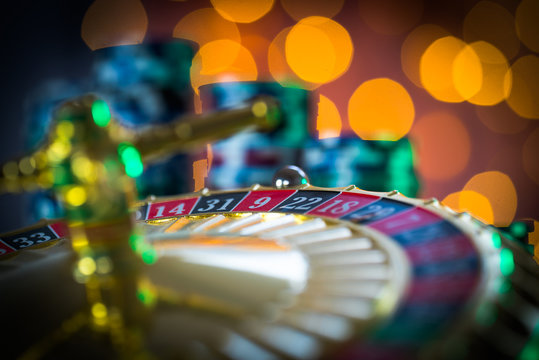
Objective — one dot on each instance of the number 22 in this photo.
(308, 205)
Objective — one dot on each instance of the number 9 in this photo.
(260, 202)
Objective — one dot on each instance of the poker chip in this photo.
(248, 157)
(145, 85)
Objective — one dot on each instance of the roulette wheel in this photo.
(303, 272)
(289, 271)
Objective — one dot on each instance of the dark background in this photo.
(40, 41)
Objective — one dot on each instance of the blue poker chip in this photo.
(149, 84)
(146, 84)
(253, 158)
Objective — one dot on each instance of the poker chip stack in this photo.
(252, 158)
(145, 85)
(370, 165)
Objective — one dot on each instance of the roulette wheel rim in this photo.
(416, 298)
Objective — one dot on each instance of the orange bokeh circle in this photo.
(443, 145)
(318, 49)
(381, 109)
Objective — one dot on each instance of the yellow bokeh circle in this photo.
(471, 202)
(493, 23)
(524, 92)
(205, 25)
(450, 70)
(381, 109)
(498, 188)
(415, 45)
(527, 25)
(279, 68)
(328, 121)
(76, 196)
(467, 73)
(242, 11)
(222, 61)
(496, 80)
(318, 49)
(113, 23)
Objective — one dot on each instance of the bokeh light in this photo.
(471, 202)
(450, 70)
(530, 152)
(381, 109)
(527, 25)
(415, 45)
(299, 9)
(205, 25)
(442, 144)
(65, 130)
(500, 118)
(87, 266)
(27, 165)
(242, 11)
(130, 157)
(391, 16)
(146, 293)
(525, 87)
(83, 168)
(494, 24)
(76, 196)
(328, 122)
(99, 311)
(507, 262)
(498, 188)
(483, 57)
(101, 113)
(58, 150)
(114, 22)
(279, 68)
(222, 61)
(496, 80)
(318, 49)
(149, 255)
(467, 73)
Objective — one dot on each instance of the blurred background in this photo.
(452, 85)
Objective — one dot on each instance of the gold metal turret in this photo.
(89, 161)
